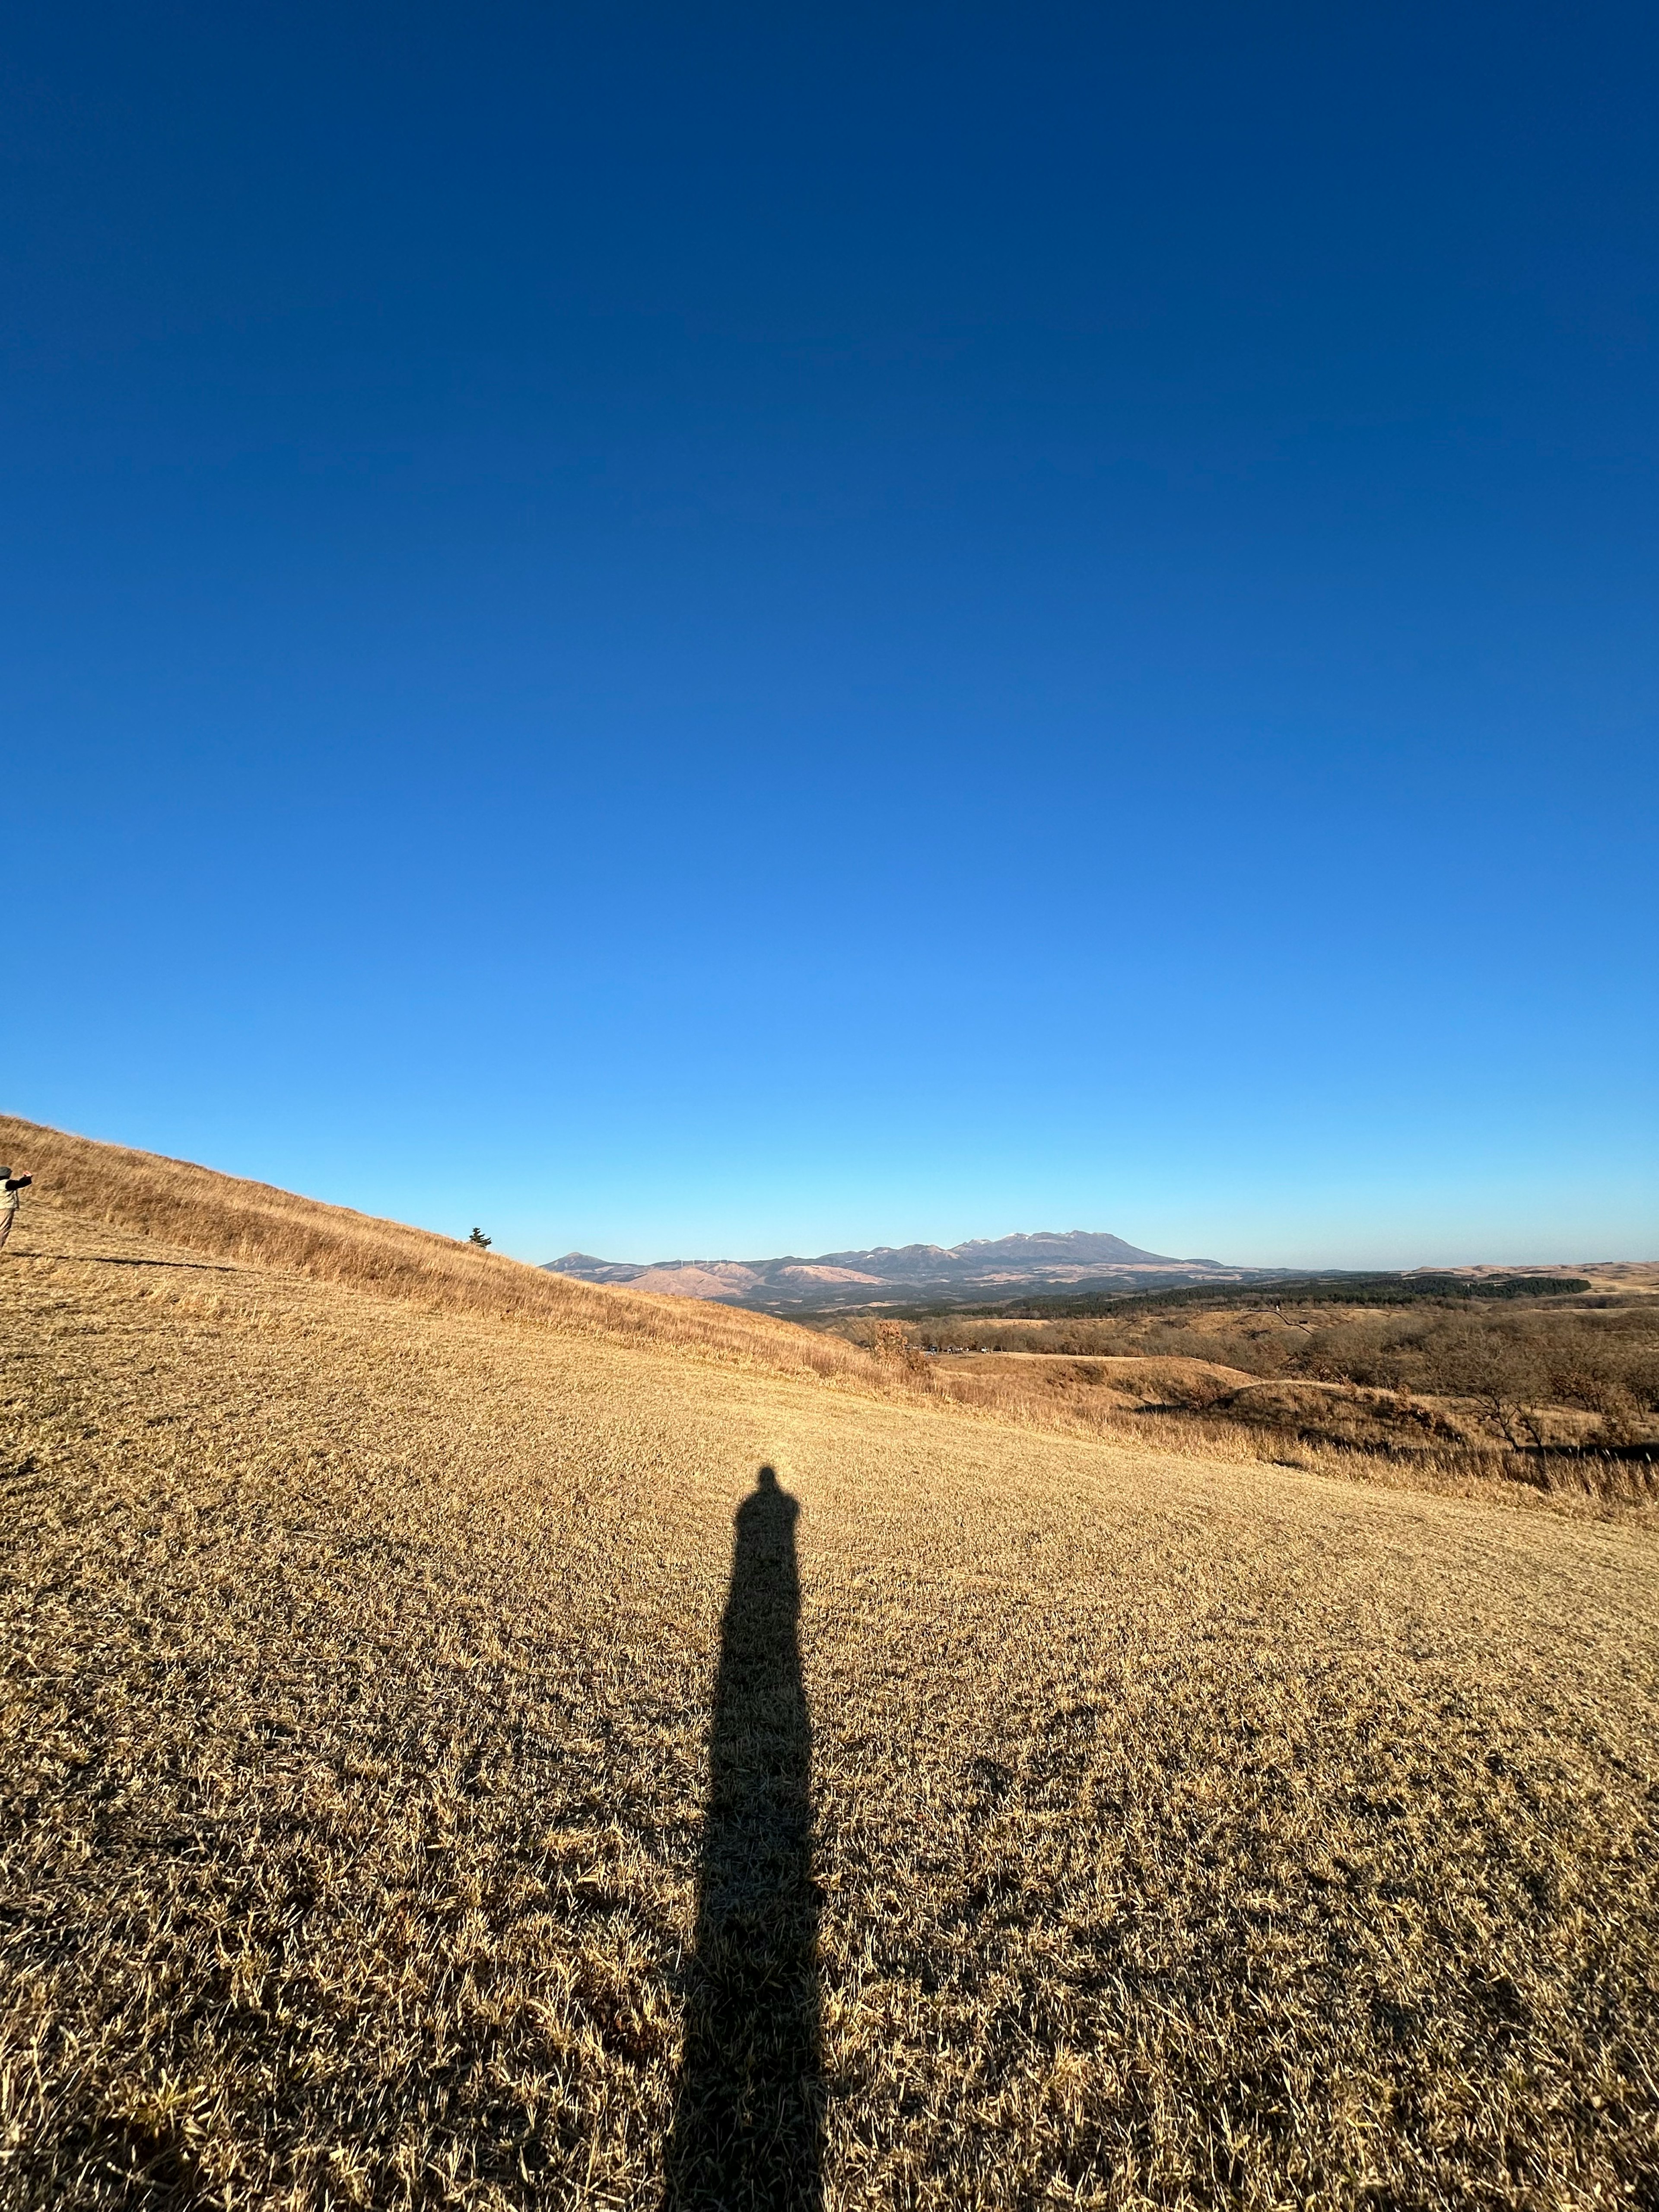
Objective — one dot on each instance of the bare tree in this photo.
(1499, 1370)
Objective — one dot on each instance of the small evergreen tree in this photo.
(479, 1238)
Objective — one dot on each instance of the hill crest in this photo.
(228, 1218)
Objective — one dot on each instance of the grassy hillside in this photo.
(251, 1225)
(1558, 1390)
(442, 1765)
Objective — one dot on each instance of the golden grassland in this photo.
(1562, 1398)
(411, 1797)
(1199, 1406)
(255, 1224)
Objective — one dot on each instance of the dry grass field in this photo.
(1560, 1395)
(471, 1744)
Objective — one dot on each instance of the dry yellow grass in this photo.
(253, 1223)
(412, 1799)
(1328, 1429)
(1090, 1376)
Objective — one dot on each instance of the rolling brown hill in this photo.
(476, 1740)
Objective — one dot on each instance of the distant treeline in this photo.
(1309, 1290)
(1512, 1362)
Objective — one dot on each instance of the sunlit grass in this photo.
(1185, 1830)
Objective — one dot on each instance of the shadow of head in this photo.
(768, 1496)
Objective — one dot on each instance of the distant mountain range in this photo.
(984, 1269)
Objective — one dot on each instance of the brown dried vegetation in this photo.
(1562, 1398)
(1116, 1827)
(252, 1223)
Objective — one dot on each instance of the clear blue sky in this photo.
(732, 630)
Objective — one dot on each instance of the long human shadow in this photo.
(747, 2119)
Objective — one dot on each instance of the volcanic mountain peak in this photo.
(1059, 1244)
(1000, 1266)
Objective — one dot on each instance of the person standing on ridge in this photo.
(9, 1186)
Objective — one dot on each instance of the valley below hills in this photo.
(982, 1268)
